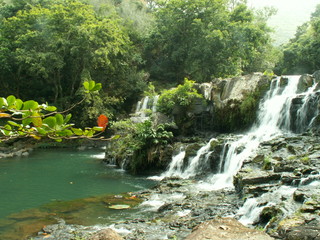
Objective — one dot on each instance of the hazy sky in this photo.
(291, 13)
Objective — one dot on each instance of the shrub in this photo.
(182, 96)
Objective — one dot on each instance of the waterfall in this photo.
(274, 118)
(144, 108)
(201, 159)
(194, 165)
(154, 103)
(252, 208)
(175, 167)
(309, 106)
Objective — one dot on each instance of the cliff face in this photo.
(233, 102)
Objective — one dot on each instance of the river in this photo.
(50, 176)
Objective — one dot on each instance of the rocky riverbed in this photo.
(276, 190)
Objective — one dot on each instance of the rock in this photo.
(232, 102)
(106, 234)
(316, 76)
(305, 82)
(255, 177)
(306, 231)
(227, 229)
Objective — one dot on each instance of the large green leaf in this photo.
(11, 100)
(67, 118)
(18, 104)
(3, 102)
(97, 87)
(14, 124)
(51, 122)
(59, 119)
(77, 131)
(26, 118)
(30, 105)
(50, 108)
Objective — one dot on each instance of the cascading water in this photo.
(142, 108)
(274, 118)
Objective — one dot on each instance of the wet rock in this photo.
(256, 177)
(106, 234)
(227, 229)
(305, 231)
(305, 82)
(268, 213)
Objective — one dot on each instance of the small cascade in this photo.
(282, 199)
(154, 103)
(307, 112)
(144, 108)
(176, 165)
(251, 210)
(194, 165)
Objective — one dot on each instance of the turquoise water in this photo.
(59, 174)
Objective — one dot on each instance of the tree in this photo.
(300, 55)
(48, 48)
(23, 119)
(202, 39)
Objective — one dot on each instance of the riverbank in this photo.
(277, 190)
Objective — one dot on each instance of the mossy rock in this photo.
(123, 199)
(192, 149)
(65, 206)
(269, 213)
(288, 223)
(33, 213)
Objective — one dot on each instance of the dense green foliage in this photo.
(201, 39)
(21, 119)
(49, 47)
(179, 97)
(301, 54)
(136, 140)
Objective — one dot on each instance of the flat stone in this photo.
(106, 234)
(226, 229)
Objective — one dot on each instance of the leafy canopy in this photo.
(200, 39)
(301, 54)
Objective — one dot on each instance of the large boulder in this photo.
(305, 81)
(227, 229)
(233, 102)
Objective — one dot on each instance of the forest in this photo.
(197, 115)
(49, 48)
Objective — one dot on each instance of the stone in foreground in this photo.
(106, 234)
(227, 229)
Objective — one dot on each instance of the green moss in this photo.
(292, 158)
(305, 160)
(267, 164)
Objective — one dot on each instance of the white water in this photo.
(144, 108)
(302, 113)
(252, 208)
(273, 119)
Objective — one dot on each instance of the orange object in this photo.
(103, 121)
